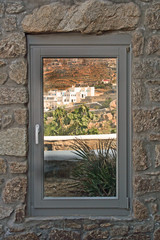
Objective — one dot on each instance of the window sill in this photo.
(115, 218)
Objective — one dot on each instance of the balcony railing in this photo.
(83, 137)
(69, 155)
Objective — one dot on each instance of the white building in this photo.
(56, 98)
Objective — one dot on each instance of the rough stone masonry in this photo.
(140, 19)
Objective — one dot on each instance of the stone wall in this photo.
(140, 19)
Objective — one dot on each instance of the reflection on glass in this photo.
(80, 119)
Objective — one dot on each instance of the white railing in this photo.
(85, 137)
(61, 155)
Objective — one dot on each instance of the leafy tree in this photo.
(70, 123)
(80, 119)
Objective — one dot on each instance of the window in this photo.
(75, 167)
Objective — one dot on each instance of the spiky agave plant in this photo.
(95, 174)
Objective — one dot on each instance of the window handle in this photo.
(37, 130)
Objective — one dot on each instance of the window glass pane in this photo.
(80, 127)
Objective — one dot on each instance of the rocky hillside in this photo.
(64, 72)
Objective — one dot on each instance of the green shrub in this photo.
(70, 123)
(95, 174)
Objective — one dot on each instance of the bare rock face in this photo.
(3, 166)
(146, 69)
(119, 231)
(3, 78)
(72, 224)
(45, 19)
(138, 92)
(13, 142)
(91, 16)
(2, 63)
(140, 211)
(5, 212)
(138, 43)
(157, 160)
(154, 137)
(140, 160)
(20, 213)
(15, 190)
(13, 8)
(18, 167)
(1, 9)
(6, 118)
(9, 23)
(96, 234)
(13, 95)
(157, 234)
(154, 208)
(21, 116)
(27, 236)
(142, 228)
(146, 120)
(146, 184)
(154, 94)
(14, 45)
(146, 1)
(64, 235)
(152, 17)
(136, 237)
(157, 218)
(153, 45)
(18, 71)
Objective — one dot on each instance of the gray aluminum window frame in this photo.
(77, 45)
